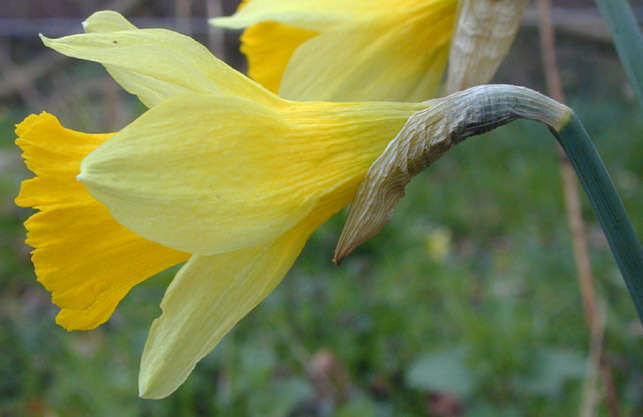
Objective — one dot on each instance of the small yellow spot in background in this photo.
(438, 243)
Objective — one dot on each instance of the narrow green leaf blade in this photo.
(627, 38)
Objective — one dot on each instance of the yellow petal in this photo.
(307, 14)
(209, 295)
(210, 174)
(81, 254)
(404, 62)
(329, 149)
(314, 15)
(155, 64)
(266, 61)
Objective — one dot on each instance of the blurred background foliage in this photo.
(467, 304)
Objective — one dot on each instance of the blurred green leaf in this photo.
(442, 371)
(554, 367)
(358, 407)
(257, 363)
(280, 398)
(486, 410)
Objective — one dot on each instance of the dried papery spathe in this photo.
(425, 137)
(484, 33)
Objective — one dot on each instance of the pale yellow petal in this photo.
(191, 174)
(210, 174)
(316, 15)
(307, 14)
(268, 47)
(155, 64)
(404, 61)
(81, 255)
(209, 295)
(107, 21)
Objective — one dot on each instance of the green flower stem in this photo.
(607, 204)
(627, 37)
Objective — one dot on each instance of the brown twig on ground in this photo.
(591, 395)
(579, 236)
(610, 388)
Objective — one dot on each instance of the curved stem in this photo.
(607, 204)
(449, 120)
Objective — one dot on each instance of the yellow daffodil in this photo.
(373, 49)
(346, 50)
(219, 172)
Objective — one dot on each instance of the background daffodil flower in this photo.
(400, 48)
(219, 171)
(397, 49)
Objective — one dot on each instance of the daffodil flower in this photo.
(346, 50)
(397, 49)
(219, 171)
